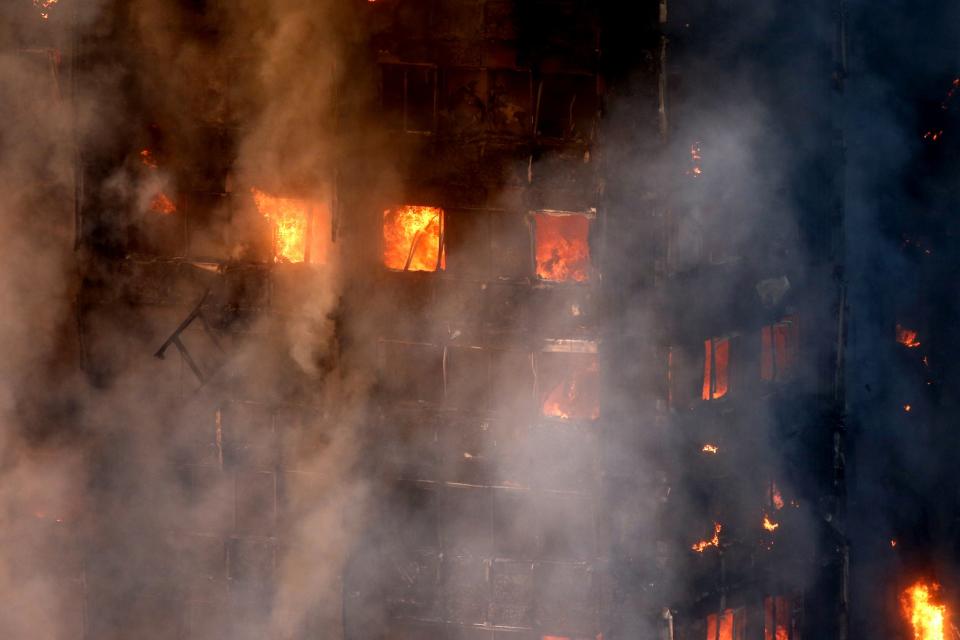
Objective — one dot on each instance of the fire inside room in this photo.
(480, 320)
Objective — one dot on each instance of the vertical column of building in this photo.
(491, 355)
(197, 258)
(754, 335)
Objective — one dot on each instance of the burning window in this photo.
(413, 238)
(569, 384)
(778, 349)
(562, 246)
(779, 621)
(300, 228)
(716, 368)
(728, 625)
(409, 94)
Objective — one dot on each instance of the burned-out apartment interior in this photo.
(480, 320)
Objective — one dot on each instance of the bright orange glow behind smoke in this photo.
(160, 203)
(412, 238)
(776, 618)
(710, 448)
(716, 362)
(907, 337)
(730, 625)
(44, 6)
(699, 547)
(290, 219)
(927, 618)
(562, 247)
(576, 395)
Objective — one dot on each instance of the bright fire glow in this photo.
(729, 625)
(926, 617)
(413, 238)
(769, 524)
(289, 218)
(776, 618)
(160, 203)
(710, 448)
(44, 6)
(575, 396)
(716, 362)
(699, 547)
(907, 337)
(563, 247)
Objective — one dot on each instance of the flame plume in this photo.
(413, 238)
(699, 547)
(927, 618)
(563, 247)
(289, 217)
(907, 337)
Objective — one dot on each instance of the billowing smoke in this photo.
(244, 483)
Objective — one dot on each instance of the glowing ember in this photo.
(927, 618)
(695, 158)
(289, 218)
(562, 247)
(907, 337)
(575, 397)
(907, 408)
(44, 6)
(776, 498)
(710, 448)
(893, 543)
(160, 203)
(769, 524)
(699, 547)
(146, 157)
(413, 238)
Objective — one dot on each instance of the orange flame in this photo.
(563, 247)
(710, 448)
(727, 626)
(907, 337)
(699, 547)
(777, 618)
(927, 618)
(44, 5)
(289, 217)
(893, 543)
(769, 524)
(413, 238)
(160, 203)
(575, 396)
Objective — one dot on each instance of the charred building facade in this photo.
(475, 320)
